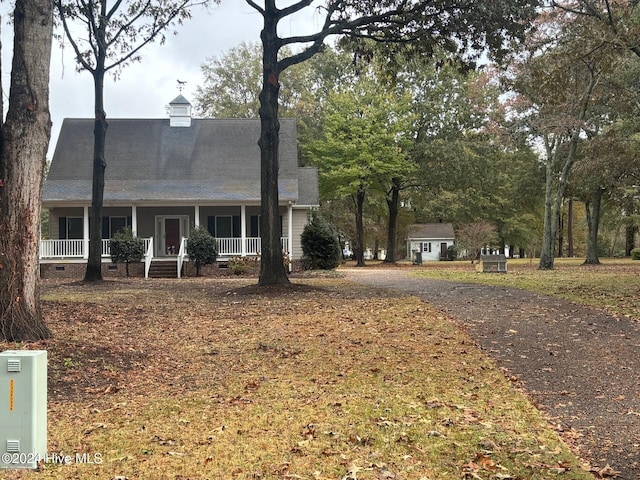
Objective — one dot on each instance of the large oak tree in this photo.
(25, 136)
(466, 28)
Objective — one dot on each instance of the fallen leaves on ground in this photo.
(217, 379)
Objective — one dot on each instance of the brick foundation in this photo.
(248, 267)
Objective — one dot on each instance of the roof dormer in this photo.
(180, 112)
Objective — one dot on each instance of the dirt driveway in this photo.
(579, 365)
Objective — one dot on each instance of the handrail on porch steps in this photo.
(181, 254)
(148, 257)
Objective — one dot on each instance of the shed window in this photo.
(426, 247)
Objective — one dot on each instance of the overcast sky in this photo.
(145, 89)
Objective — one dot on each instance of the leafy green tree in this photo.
(25, 132)
(125, 248)
(112, 35)
(320, 245)
(361, 148)
(610, 163)
(202, 248)
(469, 166)
(464, 29)
(615, 23)
(232, 82)
(561, 88)
(615, 26)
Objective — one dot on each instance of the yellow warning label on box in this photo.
(11, 395)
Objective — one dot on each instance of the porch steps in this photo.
(160, 269)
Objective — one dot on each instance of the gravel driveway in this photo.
(579, 365)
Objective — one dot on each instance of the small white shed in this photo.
(431, 240)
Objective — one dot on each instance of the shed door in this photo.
(443, 250)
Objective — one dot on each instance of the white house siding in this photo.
(419, 245)
(300, 219)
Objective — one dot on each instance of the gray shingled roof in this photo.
(147, 160)
(436, 231)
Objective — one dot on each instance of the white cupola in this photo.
(180, 112)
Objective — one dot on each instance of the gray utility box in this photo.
(23, 408)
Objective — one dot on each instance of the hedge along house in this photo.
(165, 177)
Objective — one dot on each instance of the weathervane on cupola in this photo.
(181, 84)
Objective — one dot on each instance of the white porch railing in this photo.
(61, 248)
(233, 246)
(181, 254)
(76, 248)
(148, 256)
(252, 245)
(227, 247)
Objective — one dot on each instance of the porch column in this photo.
(290, 235)
(197, 215)
(85, 233)
(134, 220)
(243, 230)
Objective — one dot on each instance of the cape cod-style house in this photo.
(165, 177)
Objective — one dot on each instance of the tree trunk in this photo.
(94, 263)
(25, 139)
(272, 270)
(552, 211)
(549, 229)
(571, 250)
(553, 199)
(630, 242)
(359, 241)
(593, 223)
(393, 202)
(560, 233)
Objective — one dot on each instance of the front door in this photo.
(169, 233)
(171, 236)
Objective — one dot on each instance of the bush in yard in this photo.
(202, 248)
(635, 254)
(320, 246)
(125, 248)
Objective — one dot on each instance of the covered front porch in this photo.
(166, 229)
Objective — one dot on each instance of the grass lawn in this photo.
(613, 286)
(214, 379)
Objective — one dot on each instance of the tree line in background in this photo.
(509, 156)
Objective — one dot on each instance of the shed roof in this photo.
(437, 231)
(148, 160)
